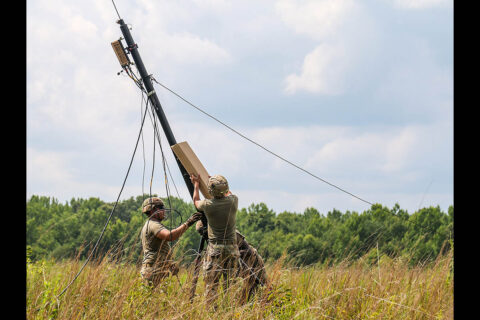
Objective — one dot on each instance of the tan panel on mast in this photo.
(120, 52)
(192, 164)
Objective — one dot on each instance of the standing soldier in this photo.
(157, 257)
(251, 267)
(222, 255)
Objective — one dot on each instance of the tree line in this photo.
(68, 230)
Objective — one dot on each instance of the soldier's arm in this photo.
(172, 235)
(196, 191)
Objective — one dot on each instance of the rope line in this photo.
(111, 213)
(151, 114)
(143, 146)
(259, 145)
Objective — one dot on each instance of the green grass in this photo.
(389, 289)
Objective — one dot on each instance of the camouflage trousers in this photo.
(220, 259)
(152, 275)
(252, 270)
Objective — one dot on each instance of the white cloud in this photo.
(420, 4)
(213, 4)
(344, 156)
(163, 30)
(48, 166)
(344, 35)
(82, 27)
(400, 146)
(317, 19)
(395, 151)
(218, 150)
(417, 84)
(61, 174)
(83, 119)
(186, 48)
(393, 159)
(322, 72)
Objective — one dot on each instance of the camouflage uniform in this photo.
(251, 265)
(222, 255)
(157, 260)
(220, 259)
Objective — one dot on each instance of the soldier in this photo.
(222, 255)
(251, 267)
(157, 258)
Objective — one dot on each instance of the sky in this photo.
(358, 93)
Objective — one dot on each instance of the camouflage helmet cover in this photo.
(149, 203)
(217, 185)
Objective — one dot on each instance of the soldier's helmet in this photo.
(217, 186)
(149, 203)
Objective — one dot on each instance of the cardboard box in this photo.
(192, 164)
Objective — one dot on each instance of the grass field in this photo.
(386, 289)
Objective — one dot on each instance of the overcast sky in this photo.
(359, 93)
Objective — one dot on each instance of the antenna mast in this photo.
(132, 48)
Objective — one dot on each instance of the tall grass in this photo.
(378, 288)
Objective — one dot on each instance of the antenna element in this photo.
(120, 52)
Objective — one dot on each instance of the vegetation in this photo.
(380, 264)
(58, 231)
(108, 289)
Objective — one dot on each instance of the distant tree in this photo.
(62, 231)
(428, 231)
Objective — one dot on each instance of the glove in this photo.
(193, 218)
(202, 230)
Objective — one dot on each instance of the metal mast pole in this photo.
(147, 82)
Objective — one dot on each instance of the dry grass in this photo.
(349, 290)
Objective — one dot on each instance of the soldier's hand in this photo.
(193, 218)
(204, 232)
(194, 178)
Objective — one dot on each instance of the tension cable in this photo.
(259, 145)
(111, 213)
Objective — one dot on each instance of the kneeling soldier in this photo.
(157, 258)
(252, 267)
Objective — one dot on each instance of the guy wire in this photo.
(165, 163)
(138, 83)
(259, 145)
(153, 160)
(111, 213)
(156, 134)
(143, 147)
